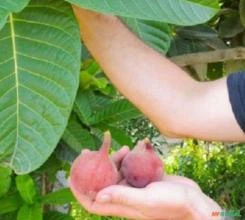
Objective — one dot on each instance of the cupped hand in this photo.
(174, 197)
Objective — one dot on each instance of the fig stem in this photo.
(106, 143)
(147, 141)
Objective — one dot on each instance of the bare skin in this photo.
(178, 105)
(175, 198)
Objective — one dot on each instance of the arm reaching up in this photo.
(177, 104)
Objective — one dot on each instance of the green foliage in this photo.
(156, 34)
(76, 136)
(10, 203)
(30, 212)
(53, 215)
(7, 7)
(62, 196)
(5, 177)
(79, 213)
(26, 187)
(231, 25)
(38, 80)
(117, 111)
(195, 39)
(47, 103)
(242, 12)
(96, 110)
(139, 128)
(218, 169)
(180, 12)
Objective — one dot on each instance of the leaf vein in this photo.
(6, 61)
(43, 77)
(42, 96)
(44, 42)
(37, 113)
(44, 61)
(6, 77)
(43, 24)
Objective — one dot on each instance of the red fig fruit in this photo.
(142, 166)
(94, 170)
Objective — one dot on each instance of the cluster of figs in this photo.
(94, 170)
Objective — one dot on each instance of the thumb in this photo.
(121, 195)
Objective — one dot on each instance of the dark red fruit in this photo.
(142, 165)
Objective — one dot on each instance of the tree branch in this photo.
(237, 53)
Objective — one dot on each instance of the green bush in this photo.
(217, 168)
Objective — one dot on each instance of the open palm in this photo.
(174, 197)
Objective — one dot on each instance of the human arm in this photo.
(178, 105)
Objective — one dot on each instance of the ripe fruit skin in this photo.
(142, 166)
(94, 170)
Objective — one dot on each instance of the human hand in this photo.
(174, 197)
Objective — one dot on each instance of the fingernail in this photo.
(104, 198)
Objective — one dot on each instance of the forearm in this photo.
(157, 87)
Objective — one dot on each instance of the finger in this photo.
(85, 151)
(116, 211)
(105, 209)
(182, 180)
(119, 155)
(122, 195)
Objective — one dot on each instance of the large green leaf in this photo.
(39, 77)
(76, 136)
(182, 46)
(118, 135)
(197, 32)
(82, 106)
(120, 110)
(9, 6)
(65, 154)
(156, 34)
(210, 3)
(181, 12)
(195, 39)
(231, 25)
(98, 101)
(87, 102)
(99, 133)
